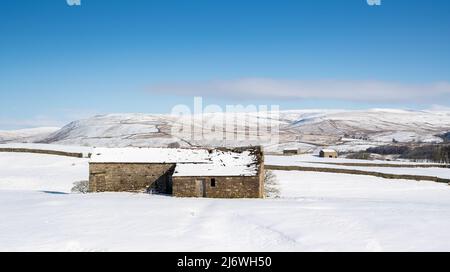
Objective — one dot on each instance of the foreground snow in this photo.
(315, 212)
(37, 172)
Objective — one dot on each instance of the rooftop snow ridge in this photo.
(189, 162)
(328, 150)
(169, 155)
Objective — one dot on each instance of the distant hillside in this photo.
(305, 129)
(26, 135)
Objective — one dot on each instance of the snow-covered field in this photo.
(315, 212)
(314, 161)
(37, 172)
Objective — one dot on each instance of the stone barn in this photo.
(290, 152)
(328, 153)
(212, 173)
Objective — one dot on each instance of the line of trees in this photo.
(444, 154)
(430, 152)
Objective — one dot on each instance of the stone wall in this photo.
(225, 187)
(356, 172)
(396, 165)
(130, 177)
(40, 151)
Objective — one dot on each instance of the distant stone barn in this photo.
(328, 153)
(290, 152)
(215, 173)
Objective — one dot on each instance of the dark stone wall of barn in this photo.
(225, 187)
(127, 177)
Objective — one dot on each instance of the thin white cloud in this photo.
(33, 122)
(358, 91)
(59, 118)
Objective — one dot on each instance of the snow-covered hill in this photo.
(305, 129)
(26, 135)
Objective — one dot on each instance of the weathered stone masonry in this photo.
(130, 177)
(225, 187)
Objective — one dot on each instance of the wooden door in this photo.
(201, 187)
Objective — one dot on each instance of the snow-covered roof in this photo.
(221, 163)
(328, 150)
(149, 155)
(189, 162)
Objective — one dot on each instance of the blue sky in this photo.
(59, 62)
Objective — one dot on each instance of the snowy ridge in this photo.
(26, 135)
(308, 129)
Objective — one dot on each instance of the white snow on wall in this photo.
(52, 147)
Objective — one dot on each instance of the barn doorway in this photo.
(200, 185)
(100, 183)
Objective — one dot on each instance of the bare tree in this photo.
(271, 186)
(80, 187)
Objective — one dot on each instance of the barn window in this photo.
(213, 182)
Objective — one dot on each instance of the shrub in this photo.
(174, 145)
(80, 187)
